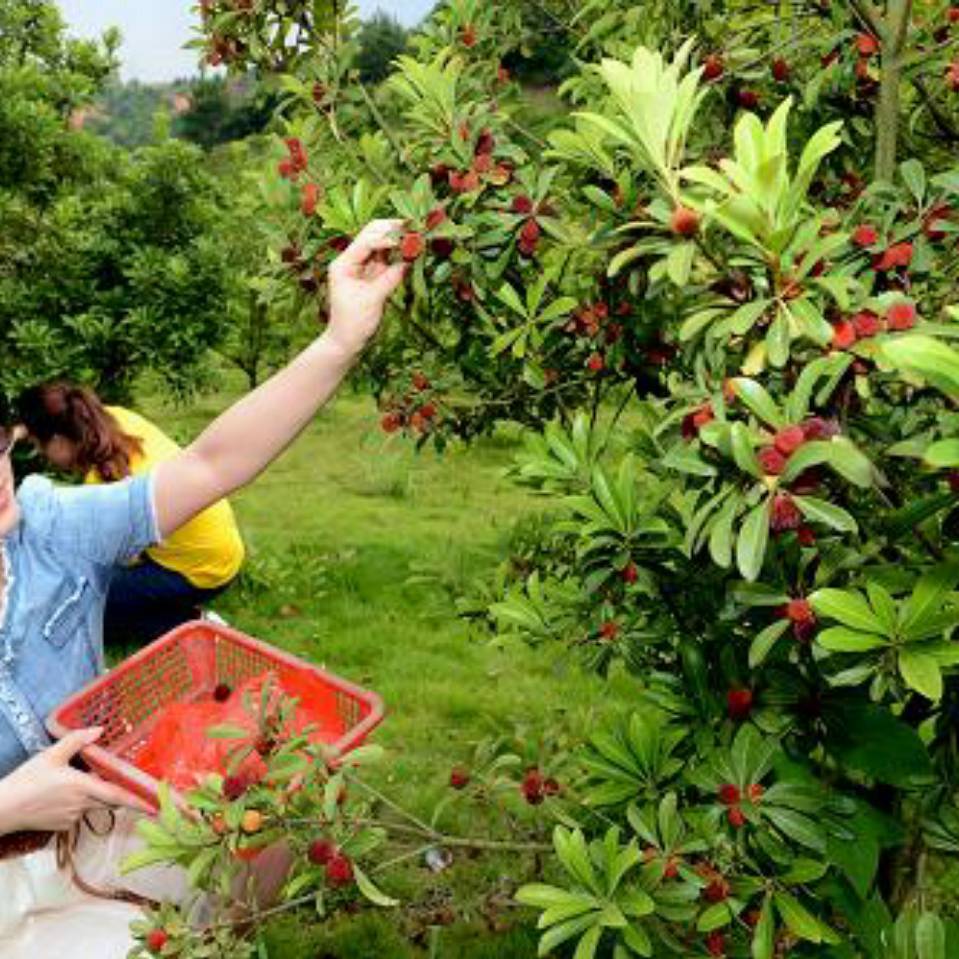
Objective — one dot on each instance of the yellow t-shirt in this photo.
(208, 551)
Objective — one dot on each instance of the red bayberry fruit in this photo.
(321, 851)
(718, 890)
(596, 363)
(468, 36)
(532, 786)
(789, 440)
(235, 786)
(867, 45)
(843, 334)
(485, 144)
(435, 217)
(953, 480)
(865, 235)
(729, 794)
(412, 246)
(739, 703)
(502, 74)
(671, 868)
(156, 940)
(522, 205)
(459, 777)
(952, 14)
(339, 243)
(427, 411)
(319, 93)
(530, 233)
(442, 247)
(339, 870)
(935, 220)
(785, 514)
(286, 169)
(736, 818)
(609, 630)
(716, 943)
(713, 67)
(952, 76)
(748, 99)
(901, 316)
(221, 692)
(684, 221)
(756, 793)
(309, 196)
(806, 536)
(818, 428)
(773, 462)
(630, 573)
(866, 324)
(420, 382)
(800, 611)
(781, 70)
(483, 163)
(898, 255)
(391, 422)
(551, 787)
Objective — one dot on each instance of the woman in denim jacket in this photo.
(58, 546)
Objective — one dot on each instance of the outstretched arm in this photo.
(244, 440)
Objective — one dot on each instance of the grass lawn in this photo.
(359, 546)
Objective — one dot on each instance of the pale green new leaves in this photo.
(655, 105)
(758, 201)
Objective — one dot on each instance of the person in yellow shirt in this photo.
(75, 432)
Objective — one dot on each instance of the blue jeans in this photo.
(147, 600)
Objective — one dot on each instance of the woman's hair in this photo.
(77, 414)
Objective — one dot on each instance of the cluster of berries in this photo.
(411, 411)
(337, 867)
(732, 797)
(536, 788)
(291, 166)
(865, 324)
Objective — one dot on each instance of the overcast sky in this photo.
(155, 30)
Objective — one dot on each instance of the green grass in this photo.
(358, 547)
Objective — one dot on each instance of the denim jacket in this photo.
(59, 562)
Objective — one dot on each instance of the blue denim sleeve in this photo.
(106, 524)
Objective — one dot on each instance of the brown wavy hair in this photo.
(78, 414)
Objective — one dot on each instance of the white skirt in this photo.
(44, 915)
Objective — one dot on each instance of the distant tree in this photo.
(108, 262)
(223, 111)
(381, 39)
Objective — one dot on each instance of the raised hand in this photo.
(361, 281)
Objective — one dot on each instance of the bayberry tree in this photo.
(717, 292)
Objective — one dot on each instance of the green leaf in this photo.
(743, 450)
(867, 738)
(929, 358)
(721, 534)
(921, 673)
(930, 937)
(764, 937)
(752, 542)
(841, 639)
(819, 511)
(762, 645)
(848, 607)
(371, 892)
(715, 917)
(943, 455)
(798, 920)
(588, 944)
(929, 596)
(759, 402)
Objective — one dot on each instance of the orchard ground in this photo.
(359, 547)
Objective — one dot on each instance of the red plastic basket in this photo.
(185, 665)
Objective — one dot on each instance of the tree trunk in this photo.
(894, 31)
